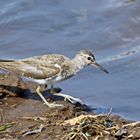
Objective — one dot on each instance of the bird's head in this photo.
(87, 58)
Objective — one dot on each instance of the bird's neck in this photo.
(78, 63)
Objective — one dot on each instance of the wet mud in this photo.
(24, 116)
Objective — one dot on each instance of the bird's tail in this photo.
(3, 60)
(3, 65)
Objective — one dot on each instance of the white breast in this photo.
(42, 81)
(38, 81)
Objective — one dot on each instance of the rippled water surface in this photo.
(109, 27)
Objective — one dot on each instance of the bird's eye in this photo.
(89, 58)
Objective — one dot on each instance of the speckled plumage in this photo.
(41, 67)
(49, 69)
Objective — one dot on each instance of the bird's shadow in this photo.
(28, 94)
(6, 90)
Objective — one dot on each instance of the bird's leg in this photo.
(46, 86)
(52, 90)
(69, 98)
(66, 97)
(51, 105)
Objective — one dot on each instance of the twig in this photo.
(34, 131)
(84, 135)
(97, 137)
(114, 127)
(75, 120)
(110, 111)
(131, 124)
(34, 118)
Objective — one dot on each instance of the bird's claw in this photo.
(53, 105)
(69, 98)
(73, 100)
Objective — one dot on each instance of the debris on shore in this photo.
(27, 118)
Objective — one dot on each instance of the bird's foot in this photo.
(69, 98)
(53, 105)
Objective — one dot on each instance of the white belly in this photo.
(42, 81)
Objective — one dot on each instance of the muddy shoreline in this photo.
(24, 116)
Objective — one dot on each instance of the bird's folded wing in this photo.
(3, 60)
(30, 70)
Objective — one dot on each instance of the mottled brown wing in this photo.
(30, 70)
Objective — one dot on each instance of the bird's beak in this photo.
(99, 67)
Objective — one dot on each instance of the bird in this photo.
(49, 69)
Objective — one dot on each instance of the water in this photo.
(111, 28)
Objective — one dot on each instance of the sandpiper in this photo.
(50, 69)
